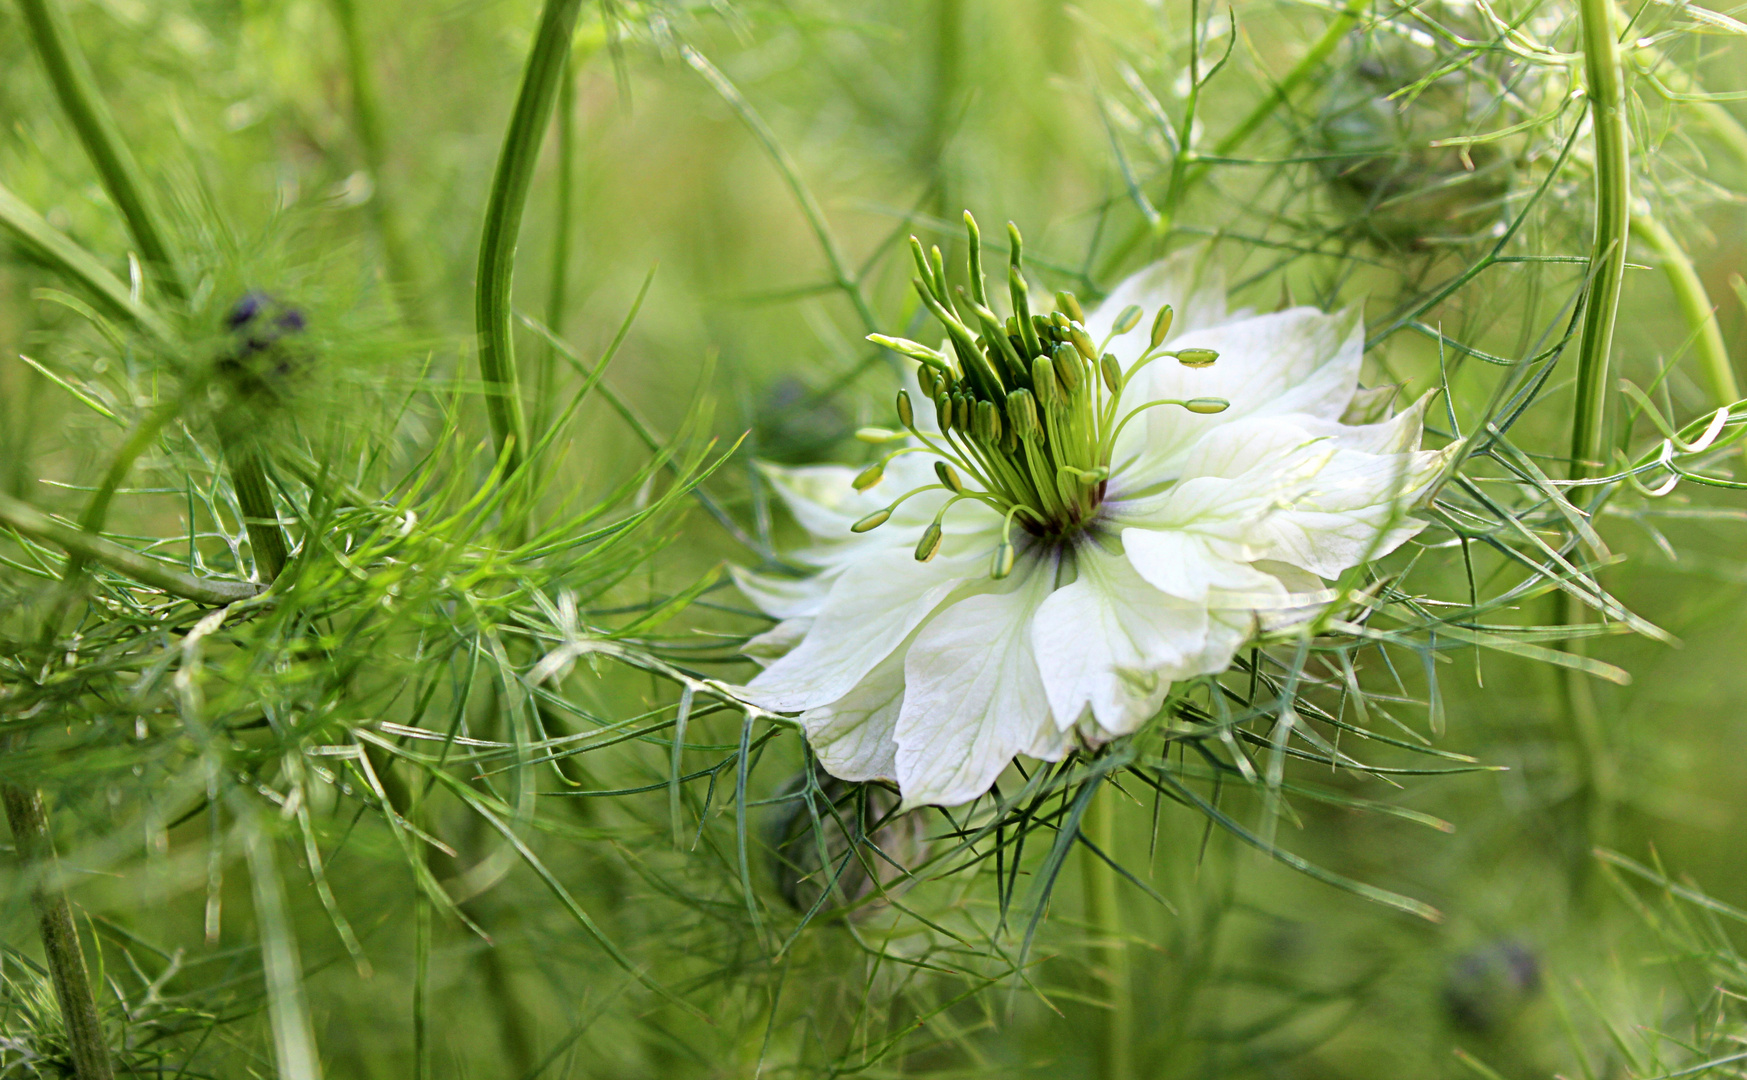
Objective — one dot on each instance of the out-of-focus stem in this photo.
(503, 221)
(1193, 171)
(76, 90)
(1695, 307)
(403, 268)
(255, 500)
(60, 938)
(1109, 950)
(558, 288)
(1613, 215)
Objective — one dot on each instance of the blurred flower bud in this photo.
(867, 847)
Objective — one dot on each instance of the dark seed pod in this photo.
(858, 829)
(1487, 986)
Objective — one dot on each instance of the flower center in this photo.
(1028, 407)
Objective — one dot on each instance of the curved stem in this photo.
(1613, 214)
(558, 283)
(1695, 307)
(503, 220)
(60, 937)
(76, 90)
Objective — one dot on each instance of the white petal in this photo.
(1188, 280)
(1294, 361)
(775, 642)
(1354, 510)
(973, 697)
(781, 597)
(853, 735)
(871, 609)
(1113, 643)
(1190, 567)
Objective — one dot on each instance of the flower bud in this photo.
(1067, 369)
(1022, 414)
(1196, 357)
(1067, 303)
(929, 545)
(877, 435)
(1161, 326)
(872, 521)
(870, 476)
(949, 476)
(1002, 564)
(1207, 405)
(1112, 370)
(1043, 381)
(1129, 319)
(906, 413)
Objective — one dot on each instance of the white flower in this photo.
(1050, 568)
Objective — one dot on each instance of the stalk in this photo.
(76, 90)
(558, 288)
(1109, 952)
(255, 499)
(1695, 307)
(1613, 216)
(409, 291)
(503, 220)
(60, 938)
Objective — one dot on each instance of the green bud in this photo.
(1083, 342)
(1067, 368)
(906, 413)
(1196, 357)
(988, 422)
(1161, 326)
(1207, 405)
(1043, 381)
(1112, 370)
(1022, 414)
(949, 476)
(872, 521)
(1071, 306)
(928, 380)
(877, 435)
(870, 476)
(929, 545)
(1002, 564)
(1129, 319)
(964, 412)
(943, 411)
(1041, 324)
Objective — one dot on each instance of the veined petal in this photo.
(973, 697)
(1113, 643)
(1356, 509)
(853, 735)
(782, 597)
(1294, 361)
(776, 642)
(872, 607)
(1191, 567)
(1188, 280)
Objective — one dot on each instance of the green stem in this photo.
(409, 290)
(1196, 171)
(47, 244)
(1613, 214)
(76, 90)
(148, 571)
(1109, 951)
(1695, 307)
(60, 937)
(558, 287)
(255, 500)
(503, 220)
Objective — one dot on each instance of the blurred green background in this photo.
(896, 115)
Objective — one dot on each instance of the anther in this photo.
(1129, 319)
(1112, 369)
(929, 545)
(1161, 326)
(1043, 382)
(870, 476)
(1002, 564)
(877, 435)
(1083, 342)
(949, 476)
(1067, 368)
(1207, 405)
(1195, 357)
(906, 413)
(1022, 414)
(1069, 304)
(872, 521)
(943, 411)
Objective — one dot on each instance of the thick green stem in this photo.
(1613, 216)
(1109, 949)
(503, 221)
(558, 286)
(1193, 172)
(60, 938)
(255, 500)
(1695, 307)
(76, 90)
(148, 571)
(403, 268)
